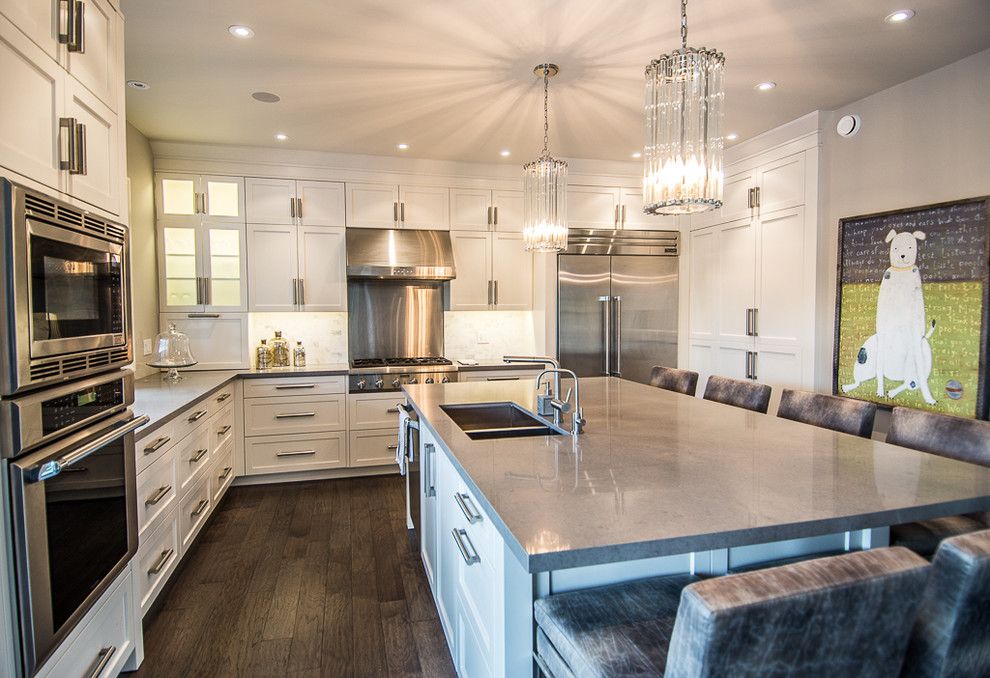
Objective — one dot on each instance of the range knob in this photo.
(445, 380)
(362, 383)
(396, 383)
(379, 383)
(412, 380)
(429, 380)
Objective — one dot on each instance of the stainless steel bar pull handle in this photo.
(395, 212)
(80, 155)
(754, 377)
(392, 410)
(756, 322)
(402, 212)
(200, 507)
(295, 415)
(50, 469)
(163, 559)
(226, 473)
(749, 322)
(302, 292)
(295, 291)
(623, 215)
(464, 545)
(67, 144)
(295, 453)
(157, 445)
(490, 222)
(196, 416)
(77, 32)
(102, 660)
(496, 215)
(471, 512)
(288, 387)
(430, 477)
(223, 431)
(489, 292)
(391, 447)
(617, 327)
(299, 212)
(496, 292)
(292, 208)
(158, 496)
(606, 333)
(199, 456)
(222, 397)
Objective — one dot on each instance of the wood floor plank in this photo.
(400, 646)
(431, 645)
(307, 635)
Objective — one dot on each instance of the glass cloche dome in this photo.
(171, 352)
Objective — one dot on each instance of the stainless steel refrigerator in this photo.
(617, 302)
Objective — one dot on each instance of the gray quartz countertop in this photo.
(658, 473)
(162, 401)
(492, 366)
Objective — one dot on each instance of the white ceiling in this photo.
(453, 79)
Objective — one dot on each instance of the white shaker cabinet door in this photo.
(592, 207)
(96, 66)
(322, 269)
(39, 19)
(512, 273)
(99, 184)
(470, 209)
(424, 207)
(632, 218)
(29, 115)
(272, 267)
(270, 201)
(219, 341)
(508, 211)
(737, 278)
(321, 203)
(372, 205)
(782, 184)
(471, 290)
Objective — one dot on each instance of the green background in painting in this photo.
(956, 307)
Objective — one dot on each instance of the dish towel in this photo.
(400, 449)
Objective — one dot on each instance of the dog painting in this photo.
(912, 307)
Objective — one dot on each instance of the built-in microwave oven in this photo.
(64, 291)
(68, 452)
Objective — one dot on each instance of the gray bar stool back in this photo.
(673, 379)
(826, 411)
(748, 395)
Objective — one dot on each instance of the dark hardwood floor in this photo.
(300, 579)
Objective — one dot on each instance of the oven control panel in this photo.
(380, 382)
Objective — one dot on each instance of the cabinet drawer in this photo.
(157, 492)
(222, 427)
(219, 399)
(223, 471)
(310, 414)
(156, 560)
(281, 454)
(193, 510)
(188, 421)
(292, 386)
(499, 375)
(372, 448)
(475, 591)
(192, 457)
(106, 638)
(478, 528)
(154, 446)
(369, 413)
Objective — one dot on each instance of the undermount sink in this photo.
(482, 421)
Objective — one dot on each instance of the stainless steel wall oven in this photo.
(64, 291)
(69, 456)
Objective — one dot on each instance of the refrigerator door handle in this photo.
(606, 333)
(617, 329)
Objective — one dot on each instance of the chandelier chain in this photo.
(546, 110)
(684, 24)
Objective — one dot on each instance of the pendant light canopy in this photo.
(545, 187)
(682, 166)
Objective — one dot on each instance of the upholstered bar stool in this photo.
(844, 415)
(748, 395)
(951, 635)
(673, 379)
(850, 615)
(946, 436)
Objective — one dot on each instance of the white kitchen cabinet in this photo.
(372, 205)
(493, 272)
(632, 218)
(219, 341)
(203, 268)
(484, 210)
(99, 182)
(287, 201)
(424, 207)
(592, 207)
(191, 199)
(429, 517)
(39, 20)
(96, 66)
(296, 268)
(371, 448)
(736, 278)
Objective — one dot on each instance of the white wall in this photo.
(924, 141)
(144, 263)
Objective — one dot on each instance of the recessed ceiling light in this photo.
(505, 153)
(281, 137)
(766, 86)
(731, 136)
(900, 16)
(240, 31)
(637, 154)
(137, 84)
(402, 147)
(266, 97)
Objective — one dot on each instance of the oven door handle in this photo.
(52, 468)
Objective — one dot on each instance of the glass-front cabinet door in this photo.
(204, 268)
(225, 267)
(187, 199)
(223, 199)
(180, 287)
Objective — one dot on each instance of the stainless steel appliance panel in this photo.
(388, 319)
(404, 254)
(644, 315)
(584, 314)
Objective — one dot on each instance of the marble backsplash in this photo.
(323, 334)
(487, 335)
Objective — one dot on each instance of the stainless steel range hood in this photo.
(399, 254)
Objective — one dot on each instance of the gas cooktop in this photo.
(430, 361)
(389, 374)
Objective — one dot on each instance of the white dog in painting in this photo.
(900, 349)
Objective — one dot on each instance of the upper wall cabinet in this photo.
(484, 210)
(632, 218)
(752, 191)
(203, 268)
(494, 272)
(286, 201)
(189, 199)
(296, 268)
(391, 206)
(593, 207)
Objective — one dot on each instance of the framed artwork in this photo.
(912, 308)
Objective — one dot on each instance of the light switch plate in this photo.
(147, 346)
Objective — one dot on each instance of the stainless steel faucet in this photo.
(547, 402)
(540, 360)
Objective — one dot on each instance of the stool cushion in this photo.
(924, 536)
(618, 630)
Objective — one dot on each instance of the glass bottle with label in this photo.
(299, 355)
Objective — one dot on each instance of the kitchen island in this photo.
(659, 483)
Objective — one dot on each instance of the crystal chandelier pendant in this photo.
(682, 158)
(545, 188)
